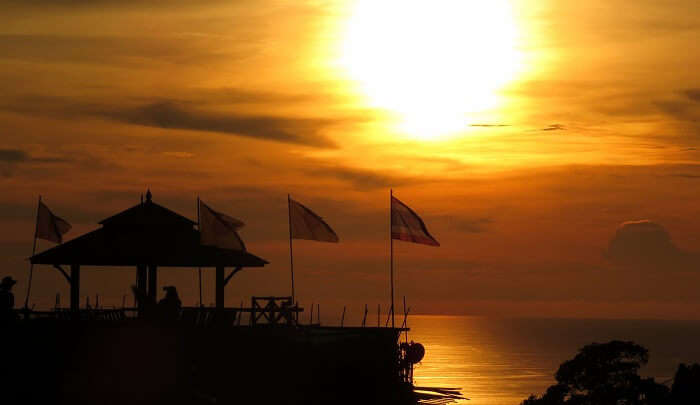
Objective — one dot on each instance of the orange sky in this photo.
(526, 133)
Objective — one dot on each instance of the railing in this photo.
(263, 311)
(91, 314)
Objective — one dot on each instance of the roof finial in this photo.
(148, 195)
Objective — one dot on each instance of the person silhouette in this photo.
(7, 298)
(169, 306)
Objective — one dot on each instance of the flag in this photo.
(49, 226)
(406, 225)
(305, 224)
(217, 229)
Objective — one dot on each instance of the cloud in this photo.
(692, 94)
(11, 158)
(554, 127)
(646, 244)
(178, 155)
(13, 155)
(464, 224)
(489, 125)
(472, 225)
(171, 114)
(680, 109)
(239, 96)
(19, 155)
(687, 175)
(124, 51)
(683, 108)
(362, 178)
(74, 4)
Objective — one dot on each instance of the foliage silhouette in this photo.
(686, 385)
(604, 374)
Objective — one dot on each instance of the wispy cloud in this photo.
(305, 131)
(489, 125)
(124, 51)
(692, 94)
(554, 127)
(13, 155)
(19, 155)
(465, 224)
(171, 114)
(360, 178)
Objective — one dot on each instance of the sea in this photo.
(501, 361)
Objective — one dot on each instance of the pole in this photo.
(291, 251)
(199, 270)
(219, 290)
(364, 318)
(31, 265)
(391, 260)
(405, 317)
(75, 289)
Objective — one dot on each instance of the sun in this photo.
(432, 62)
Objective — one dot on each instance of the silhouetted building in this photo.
(200, 355)
(146, 236)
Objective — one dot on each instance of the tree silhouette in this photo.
(686, 385)
(604, 374)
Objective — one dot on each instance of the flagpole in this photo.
(199, 270)
(31, 265)
(391, 255)
(291, 251)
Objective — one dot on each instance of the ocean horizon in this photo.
(502, 360)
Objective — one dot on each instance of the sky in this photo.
(550, 146)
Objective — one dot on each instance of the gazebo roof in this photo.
(149, 213)
(149, 234)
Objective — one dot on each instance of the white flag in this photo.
(305, 224)
(49, 226)
(217, 229)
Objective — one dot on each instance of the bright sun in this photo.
(434, 62)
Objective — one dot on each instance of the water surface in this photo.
(501, 361)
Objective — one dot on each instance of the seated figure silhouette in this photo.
(169, 306)
(7, 298)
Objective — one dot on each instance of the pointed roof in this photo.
(147, 233)
(148, 213)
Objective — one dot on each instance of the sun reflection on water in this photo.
(500, 361)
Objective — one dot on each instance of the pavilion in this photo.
(145, 236)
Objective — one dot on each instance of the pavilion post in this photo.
(219, 288)
(141, 277)
(153, 283)
(75, 288)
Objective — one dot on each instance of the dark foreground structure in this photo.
(139, 362)
(256, 354)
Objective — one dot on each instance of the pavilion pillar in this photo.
(219, 288)
(153, 283)
(75, 288)
(141, 284)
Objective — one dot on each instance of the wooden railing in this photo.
(263, 311)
